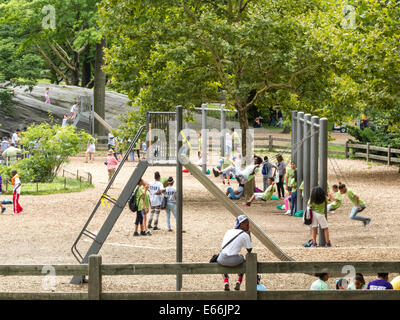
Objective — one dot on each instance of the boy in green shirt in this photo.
(359, 205)
(265, 196)
(143, 204)
(335, 197)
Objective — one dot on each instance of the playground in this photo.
(44, 232)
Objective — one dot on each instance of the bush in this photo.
(380, 137)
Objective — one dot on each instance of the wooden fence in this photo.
(272, 146)
(388, 158)
(95, 269)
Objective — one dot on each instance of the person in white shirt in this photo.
(155, 189)
(65, 121)
(16, 183)
(15, 137)
(73, 111)
(234, 240)
(170, 194)
(228, 144)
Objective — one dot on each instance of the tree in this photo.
(167, 53)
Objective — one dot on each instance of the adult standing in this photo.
(281, 169)
(16, 137)
(11, 154)
(234, 240)
(5, 144)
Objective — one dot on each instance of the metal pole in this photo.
(223, 127)
(323, 164)
(306, 160)
(204, 138)
(294, 135)
(299, 162)
(314, 152)
(179, 191)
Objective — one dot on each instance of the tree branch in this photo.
(51, 64)
(63, 60)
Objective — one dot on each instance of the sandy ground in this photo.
(44, 233)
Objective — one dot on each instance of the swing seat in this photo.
(6, 202)
(299, 214)
(274, 197)
(280, 206)
(185, 170)
(208, 171)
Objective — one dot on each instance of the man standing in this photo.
(10, 155)
(234, 240)
(16, 183)
(15, 137)
(5, 143)
(155, 200)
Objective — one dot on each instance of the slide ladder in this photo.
(117, 208)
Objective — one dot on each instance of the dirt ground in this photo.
(45, 231)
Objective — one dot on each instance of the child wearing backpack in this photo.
(266, 172)
(317, 203)
(143, 205)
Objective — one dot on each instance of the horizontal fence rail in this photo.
(96, 270)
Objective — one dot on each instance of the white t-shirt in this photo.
(15, 138)
(111, 139)
(228, 140)
(64, 122)
(154, 187)
(242, 241)
(17, 186)
(170, 194)
(73, 108)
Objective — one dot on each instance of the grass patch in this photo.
(59, 185)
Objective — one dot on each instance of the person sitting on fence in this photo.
(235, 194)
(265, 196)
(358, 283)
(247, 174)
(234, 240)
(381, 283)
(143, 205)
(11, 154)
(266, 172)
(320, 284)
(111, 163)
(155, 188)
(336, 199)
(260, 287)
(341, 284)
(317, 202)
(90, 150)
(2, 189)
(16, 183)
(359, 205)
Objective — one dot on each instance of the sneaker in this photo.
(156, 228)
(136, 234)
(149, 226)
(226, 286)
(148, 233)
(247, 204)
(328, 244)
(237, 285)
(3, 209)
(169, 230)
(287, 212)
(216, 173)
(367, 222)
(143, 233)
(314, 245)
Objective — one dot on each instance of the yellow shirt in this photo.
(396, 283)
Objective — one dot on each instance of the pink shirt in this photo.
(112, 163)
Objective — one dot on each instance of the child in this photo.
(47, 96)
(359, 205)
(266, 195)
(90, 150)
(341, 284)
(358, 283)
(2, 188)
(381, 283)
(260, 287)
(292, 184)
(143, 204)
(266, 172)
(16, 183)
(155, 200)
(320, 284)
(249, 172)
(335, 197)
(111, 163)
(235, 194)
(224, 163)
(317, 202)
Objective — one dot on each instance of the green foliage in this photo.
(49, 146)
(379, 137)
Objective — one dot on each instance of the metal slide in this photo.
(234, 209)
(117, 208)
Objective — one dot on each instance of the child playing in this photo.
(265, 196)
(266, 172)
(2, 188)
(341, 284)
(359, 205)
(143, 204)
(335, 197)
(224, 163)
(155, 200)
(235, 194)
(381, 283)
(317, 203)
(16, 183)
(90, 150)
(111, 163)
(292, 185)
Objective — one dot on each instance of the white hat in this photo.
(240, 219)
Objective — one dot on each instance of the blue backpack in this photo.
(264, 171)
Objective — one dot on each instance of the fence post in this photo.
(270, 143)
(94, 287)
(65, 183)
(389, 152)
(346, 150)
(63, 172)
(77, 174)
(367, 151)
(251, 276)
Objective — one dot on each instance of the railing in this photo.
(388, 158)
(95, 269)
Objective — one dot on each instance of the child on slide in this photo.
(265, 196)
(336, 199)
(359, 205)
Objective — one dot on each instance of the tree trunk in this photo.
(99, 87)
(75, 74)
(86, 68)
